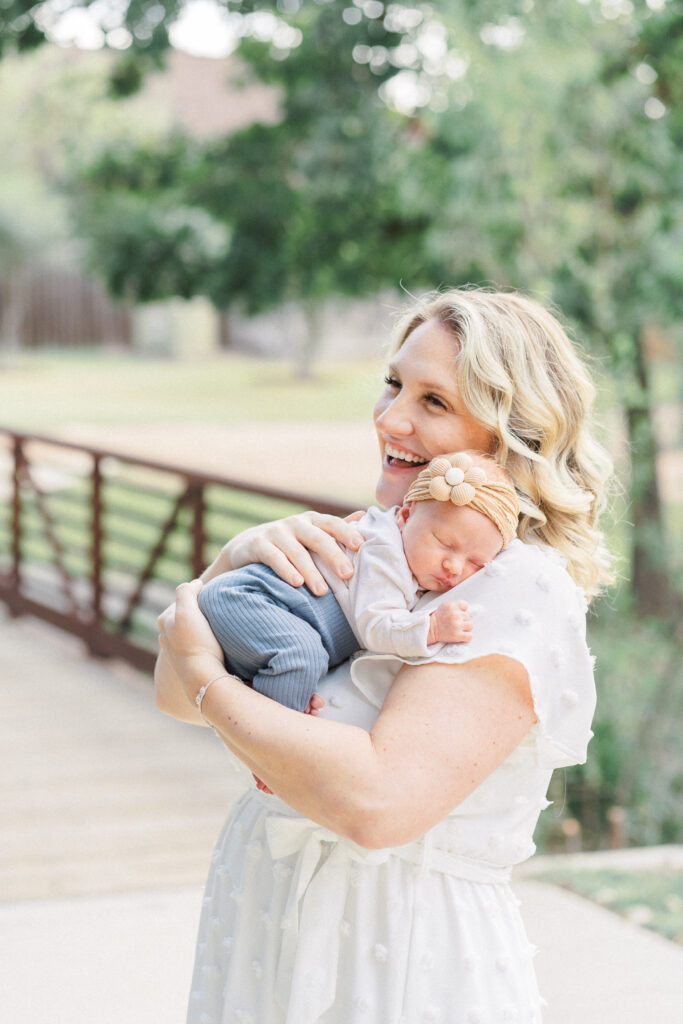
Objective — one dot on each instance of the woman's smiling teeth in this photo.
(396, 455)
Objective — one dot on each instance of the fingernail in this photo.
(358, 540)
(297, 580)
(319, 589)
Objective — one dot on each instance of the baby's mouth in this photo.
(403, 460)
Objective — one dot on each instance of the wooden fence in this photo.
(46, 305)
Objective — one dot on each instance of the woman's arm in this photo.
(169, 693)
(441, 732)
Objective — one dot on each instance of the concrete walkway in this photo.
(109, 812)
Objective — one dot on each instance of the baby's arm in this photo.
(381, 591)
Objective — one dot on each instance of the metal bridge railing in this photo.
(95, 541)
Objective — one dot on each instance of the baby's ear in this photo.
(403, 514)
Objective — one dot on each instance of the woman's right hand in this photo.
(286, 545)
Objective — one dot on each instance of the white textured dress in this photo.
(301, 926)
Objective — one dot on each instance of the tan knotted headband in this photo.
(455, 478)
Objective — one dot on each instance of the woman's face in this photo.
(420, 413)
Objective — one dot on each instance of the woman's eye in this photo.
(433, 400)
(392, 382)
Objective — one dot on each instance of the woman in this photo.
(373, 886)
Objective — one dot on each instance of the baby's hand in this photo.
(450, 624)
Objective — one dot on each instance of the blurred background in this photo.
(210, 215)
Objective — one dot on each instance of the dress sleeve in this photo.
(523, 605)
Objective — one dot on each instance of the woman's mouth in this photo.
(398, 458)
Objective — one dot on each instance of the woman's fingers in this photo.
(167, 616)
(286, 548)
(187, 592)
(353, 517)
(321, 533)
(287, 557)
(343, 530)
(184, 630)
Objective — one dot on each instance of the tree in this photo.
(624, 271)
(573, 190)
(56, 110)
(557, 126)
(312, 206)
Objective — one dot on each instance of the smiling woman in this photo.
(374, 885)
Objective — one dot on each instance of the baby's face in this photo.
(444, 544)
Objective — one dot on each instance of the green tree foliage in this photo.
(318, 204)
(560, 171)
(143, 235)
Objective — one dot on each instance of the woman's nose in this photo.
(394, 418)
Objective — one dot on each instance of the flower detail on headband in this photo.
(454, 478)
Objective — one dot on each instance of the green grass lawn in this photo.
(48, 389)
(651, 898)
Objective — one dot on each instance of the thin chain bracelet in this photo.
(202, 693)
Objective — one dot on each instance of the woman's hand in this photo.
(187, 641)
(285, 546)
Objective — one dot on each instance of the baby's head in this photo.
(458, 514)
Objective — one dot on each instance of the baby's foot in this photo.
(261, 785)
(314, 705)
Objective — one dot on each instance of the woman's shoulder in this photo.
(542, 569)
(531, 557)
(525, 586)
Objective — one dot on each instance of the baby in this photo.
(458, 514)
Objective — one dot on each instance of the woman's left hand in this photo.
(187, 640)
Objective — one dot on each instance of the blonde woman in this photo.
(373, 886)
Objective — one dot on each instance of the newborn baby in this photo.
(458, 514)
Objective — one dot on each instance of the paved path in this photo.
(109, 812)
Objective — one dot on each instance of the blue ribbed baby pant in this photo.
(281, 638)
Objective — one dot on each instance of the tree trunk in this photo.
(651, 584)
(311, 340)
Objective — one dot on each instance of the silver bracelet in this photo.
(202, 693)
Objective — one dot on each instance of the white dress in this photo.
(301, 926)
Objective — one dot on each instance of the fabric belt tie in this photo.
(309, 955)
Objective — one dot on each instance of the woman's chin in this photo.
(393, 485)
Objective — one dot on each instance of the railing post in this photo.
(198, 531)
(96, 546)
(19, 462)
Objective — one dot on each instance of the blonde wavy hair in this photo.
(520, 376)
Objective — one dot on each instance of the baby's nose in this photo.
(453, 565)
